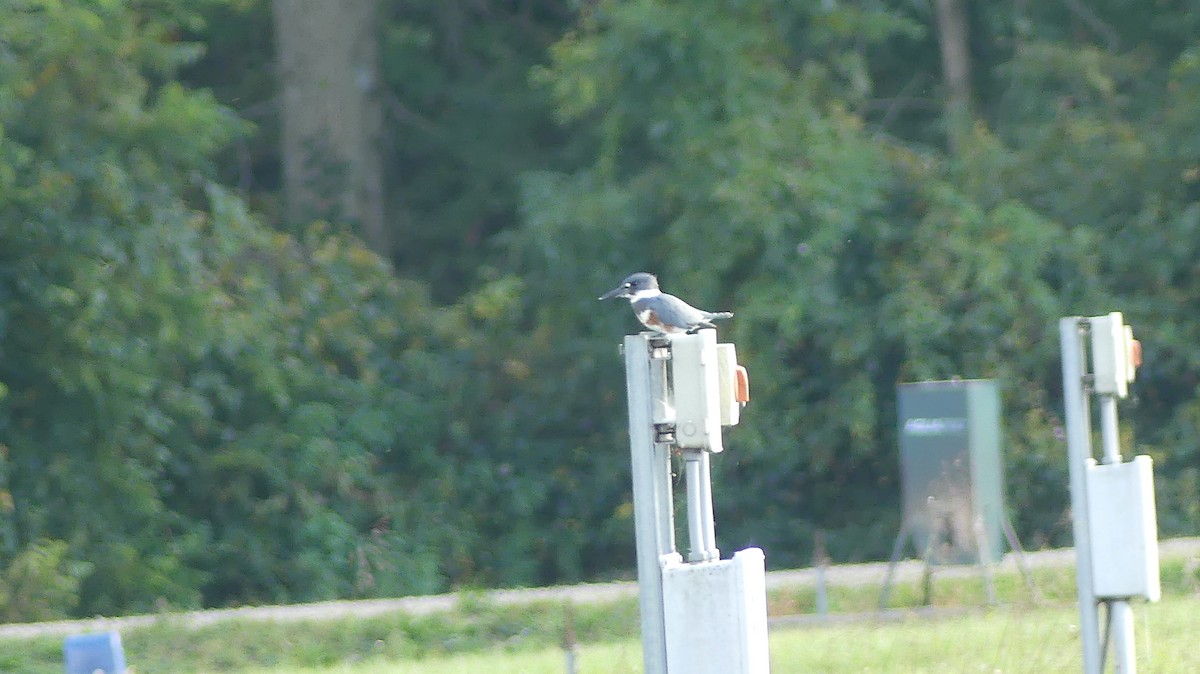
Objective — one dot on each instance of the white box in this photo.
(731, 409)
(1124, 530)
(696, 386)
(715, 615)
(1110, 353)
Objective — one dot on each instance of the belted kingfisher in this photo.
(659, 311)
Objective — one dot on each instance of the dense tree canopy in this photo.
(204, 410)
(204, 404)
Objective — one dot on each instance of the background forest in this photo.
(298, 299)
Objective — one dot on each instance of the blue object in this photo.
(92, 653)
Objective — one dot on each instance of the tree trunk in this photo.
(332, 118)
(956, 67)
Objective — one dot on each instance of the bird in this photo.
(659, 311)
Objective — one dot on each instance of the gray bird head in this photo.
(632, 285)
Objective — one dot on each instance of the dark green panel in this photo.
(950, 466)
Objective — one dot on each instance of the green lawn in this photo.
(483, 636)
(1004, 640)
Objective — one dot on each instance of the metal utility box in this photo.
(1124, 529)
(715, 615)
(727, 372)
(951, 471)
(1115, 354)
(696, 384)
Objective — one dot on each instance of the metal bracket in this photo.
(660, 348)
(664, 434)
(1089, 383)
(1083, 327)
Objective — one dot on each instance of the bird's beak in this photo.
(619, 291)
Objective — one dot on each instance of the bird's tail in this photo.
(718, 314)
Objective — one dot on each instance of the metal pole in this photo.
(572, 656)
(897, 548)
(985, 560)
(934, 538)
(1079, 451)
(570, 643)
(702, 535)
(1109, 437)
(662, 412)
(691, 464)
(1121, 614)
(1015, 544)
(822, 592)
(650, 465)
(820, 561)
(708, 527)
(1121, 619)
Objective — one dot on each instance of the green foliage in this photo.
(97, 269)
(464, 124)
(785, 162)
(743, 165)
(40, 583)
(203, 410)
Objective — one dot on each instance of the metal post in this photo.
(691, 468)
(663, 416)
(708, 527)
(897, 548)
(570, 643)
(985, 561)
(1121, 614)
(934, 538)
(1079, 452)
(1109, 438)
(702, 535)
(1022, 564)
(652, 512)
(820, 562)
(572, 658)
(1121, 623)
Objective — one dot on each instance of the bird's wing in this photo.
(674, 311)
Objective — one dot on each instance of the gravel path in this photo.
(841, 575)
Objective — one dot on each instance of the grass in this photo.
(1008, 640)
(475, 626)
(1020, 639)
(1019, 636)
(622, 657)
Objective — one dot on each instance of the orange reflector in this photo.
(1135, 352)
(741, 392)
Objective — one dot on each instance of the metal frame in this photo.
(652, 441)
(653, 514)
(1077, 385)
